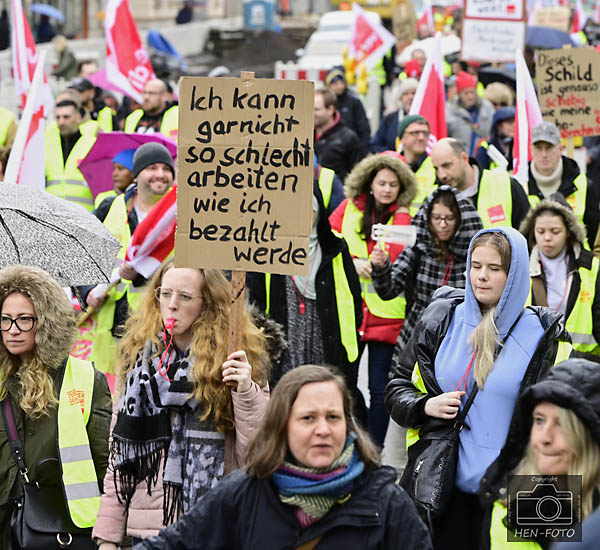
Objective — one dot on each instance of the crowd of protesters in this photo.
(493, 311)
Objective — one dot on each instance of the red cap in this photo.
(464, 81)
(413, 68)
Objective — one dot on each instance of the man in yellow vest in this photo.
(552, 172)
(413, 135)
(155, 116)
(499, 199)
(153, 172)
(66, 143)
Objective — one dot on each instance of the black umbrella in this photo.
(498, 74)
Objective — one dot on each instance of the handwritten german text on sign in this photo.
(245, 159)
(568, 84)
(492, 40)
(494, 9)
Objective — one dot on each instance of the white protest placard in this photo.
(492, 30)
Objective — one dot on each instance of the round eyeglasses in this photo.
(164, 295)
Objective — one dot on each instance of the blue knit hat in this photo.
(125, 158)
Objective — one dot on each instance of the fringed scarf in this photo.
(315, 490)
(194, 454)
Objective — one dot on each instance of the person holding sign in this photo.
(313, 479)
(380, 189)
(184, 409)
(564, 275)
(552, 172)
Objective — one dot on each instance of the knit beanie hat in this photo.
(334, 73)
(125, 158)
(407, 121)
(407, 85)
(413, 68)
(150, 153)
(464, 81)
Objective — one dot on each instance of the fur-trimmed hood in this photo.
(574, 228)
(56, 330)
(358, 181)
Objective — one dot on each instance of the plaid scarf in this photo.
(421, 259)
(156, 420)
(315, 490)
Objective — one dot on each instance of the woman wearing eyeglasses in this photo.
(185, 409)
(39, 380)
(445, 226)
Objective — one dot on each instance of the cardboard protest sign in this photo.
(493, 30)
(245, 161)
(556, 17)
(404, 22)
(568, 83)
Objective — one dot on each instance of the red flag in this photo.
(25, 57)
(369, 41)
(154, 238)
(527, 116)
(579, 17)
(426, 19)
(127, 63)
(429, 101)
(26, 162)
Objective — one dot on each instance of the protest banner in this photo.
(404, 22)
(492, 29)
(556, 17)
(245, 173)
(568, 83)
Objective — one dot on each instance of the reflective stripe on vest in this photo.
(105, 119)
(78, 471)
(345, 308)
(498, 532)
(494, 199)
(425, 177)
(580, 322)
(6, 118)
(326, 176)
(492, 165)
(268, 293)
(168, 125)
(576, 200)
(386, 309)
(65, 180)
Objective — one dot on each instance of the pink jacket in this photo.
(146, 511)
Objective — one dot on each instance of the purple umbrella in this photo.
(97, 166)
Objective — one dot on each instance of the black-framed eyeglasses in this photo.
(165, 294)
(24, 323)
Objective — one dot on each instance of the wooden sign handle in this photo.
(247, 74)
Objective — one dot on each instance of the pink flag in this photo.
(26, 162)
(24, 57)
(429, 101)
(527, 116)
(426, 18)
(579, 17)
(127, 63)
(369, 41)
(154, 238)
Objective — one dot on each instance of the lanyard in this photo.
(448, 270)
(465, 376)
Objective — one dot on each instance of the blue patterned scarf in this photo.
(315, 490)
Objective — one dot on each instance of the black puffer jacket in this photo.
(406, 405)
(245, 513)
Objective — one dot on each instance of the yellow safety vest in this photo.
(498, 532)
(104, 346)
(576, 200)
(425, 177)
(580, 322)
(326, 184)
(64, 179)
(168, 126)
(101, 196)
(494, 199)
(387, 309)
(78, 472)
(105, 119)
(6, 119)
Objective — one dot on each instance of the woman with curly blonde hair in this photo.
(185, 409)
(37, 331)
